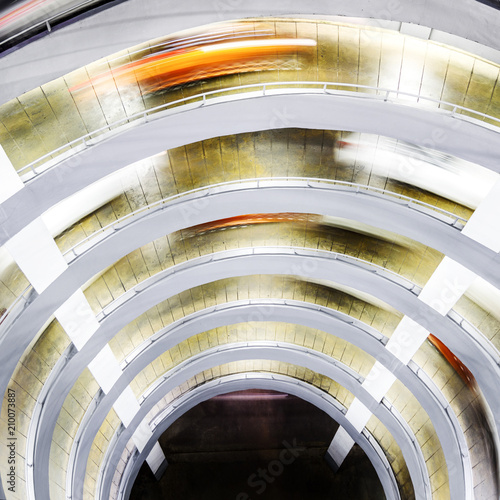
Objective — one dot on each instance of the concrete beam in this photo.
(436, 129)
(472, 24)
(296, 313)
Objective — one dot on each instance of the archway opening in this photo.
(255, 444)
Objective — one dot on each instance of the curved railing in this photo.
(226, 255)
(419, 464)
(245, 92)
(416, 446)
(192, 394)
(15, 309)
(479, 338)
(54, 376)
(443, 403)
(47, 22)
(361, 327)
(417, 370)
(263, 183)
(257, 183)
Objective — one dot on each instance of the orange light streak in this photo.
(20, 11)
(184, 65)
(458, 366)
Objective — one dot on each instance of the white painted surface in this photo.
(142, 435)
(358, 414)
(10, 181)
(444, 288)
(77, 319)
(340, 446)
(484, 224)
(453, 178)
(105, 368)
(486, 296)
(126, 406)
(156, 458)
(136, 21)
(378, 381)
(416, 30)
(37, 255)
(406, 339)
(72, 209)
(446, 285)
(320, 112)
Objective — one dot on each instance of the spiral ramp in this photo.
(327, 227)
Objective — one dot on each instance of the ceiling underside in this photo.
(326, 228)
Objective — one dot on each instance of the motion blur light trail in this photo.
(252, 219)
(21, 11)
(194, 58)
(426, 168)
(269, 218)
(457, 365)
(20, 20)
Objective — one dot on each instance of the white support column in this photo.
(484, 224)
(106, 370)
(442, 291)
(404, 343)
(126, 407)
(339, 448)
(446, 285)
(156, 458)
(157, 461)
(11, 182)
(41, 261)
(141, 435)
(77, 319)
(378, 381)
(37, 255)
